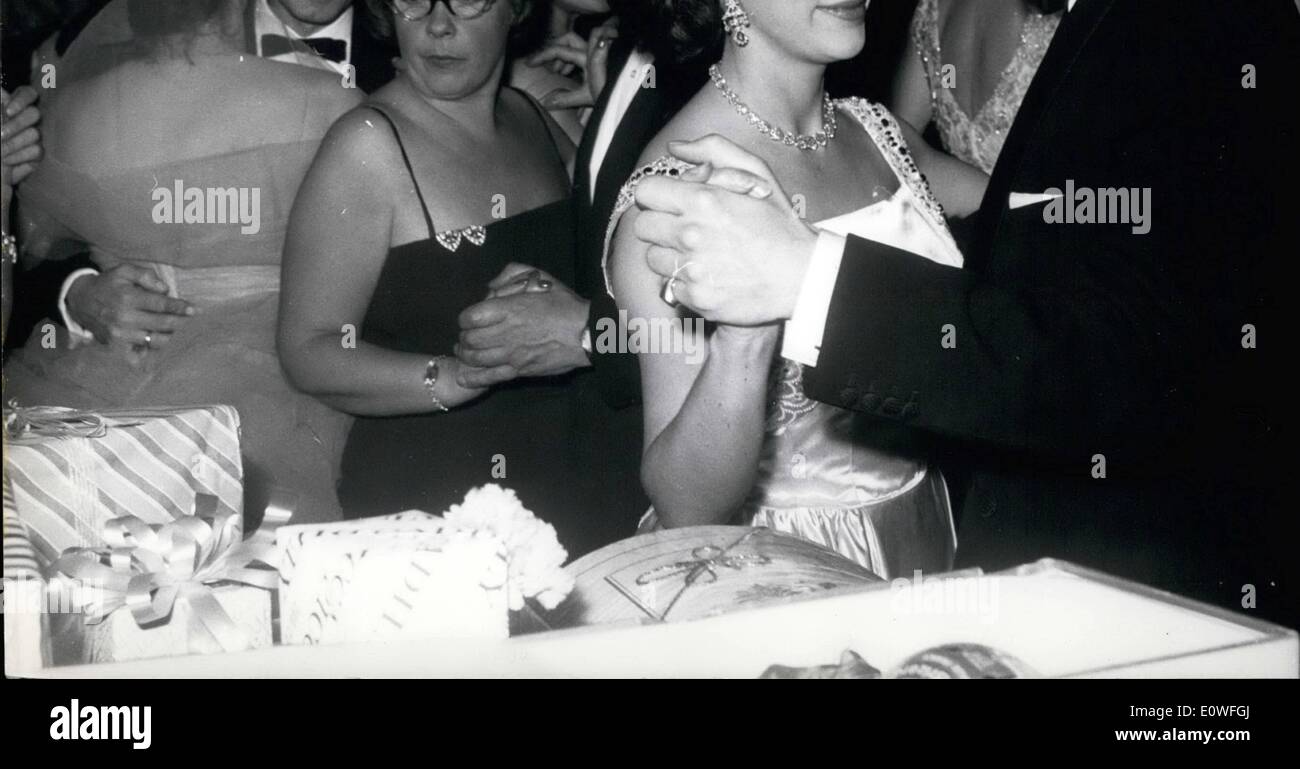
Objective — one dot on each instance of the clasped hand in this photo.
(529, 326)
(725, 234)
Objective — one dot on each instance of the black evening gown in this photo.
(537, 436)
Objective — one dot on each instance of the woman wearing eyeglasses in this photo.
(417, 201)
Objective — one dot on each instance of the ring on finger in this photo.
(667, 294)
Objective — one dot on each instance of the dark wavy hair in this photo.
(679, 31)
(527, 33)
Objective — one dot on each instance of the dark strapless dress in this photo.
(542, 437)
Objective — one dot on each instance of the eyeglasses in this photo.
(414, 10)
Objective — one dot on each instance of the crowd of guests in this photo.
(458, 196)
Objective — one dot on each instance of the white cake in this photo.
(414, 575)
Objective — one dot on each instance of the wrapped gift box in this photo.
(73, 471)
(408, 576)
(26, 625)
(119, 639)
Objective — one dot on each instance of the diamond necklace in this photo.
(806, 142)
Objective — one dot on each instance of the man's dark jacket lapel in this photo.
(1071, 38)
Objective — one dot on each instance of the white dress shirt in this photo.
(628, 85)
(804, 331)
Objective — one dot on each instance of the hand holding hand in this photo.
(725, 234)
(127, 305)
(526, 331)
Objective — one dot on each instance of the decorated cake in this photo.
(416, 575)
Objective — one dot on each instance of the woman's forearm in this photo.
(702, 466)
(366, 380)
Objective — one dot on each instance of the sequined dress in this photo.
(977, 139)
(827, 474)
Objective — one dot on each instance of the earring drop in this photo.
(734, 21)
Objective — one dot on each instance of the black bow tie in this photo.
(327, 47)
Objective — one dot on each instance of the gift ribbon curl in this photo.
(148, 568)
(707, 560)
(25, 424)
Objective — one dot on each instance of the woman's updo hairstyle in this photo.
(676, 31)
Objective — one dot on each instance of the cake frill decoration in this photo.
(534, 553)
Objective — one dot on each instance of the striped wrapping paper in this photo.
(149, 463)
(26, 635)
(20, 560)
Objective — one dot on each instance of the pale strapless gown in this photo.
(830, 475)
(121, 129)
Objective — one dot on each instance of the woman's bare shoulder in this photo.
(695, 120)
(361, 145)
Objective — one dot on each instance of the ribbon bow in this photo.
(708, 559)
(28, 423)
(148, 568)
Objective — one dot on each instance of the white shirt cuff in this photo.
(802, 342)
(74, 328)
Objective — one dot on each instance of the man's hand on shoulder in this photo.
(725, 235)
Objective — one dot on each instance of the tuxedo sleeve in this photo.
(42, 284)
(1019, 367)
(617, 373)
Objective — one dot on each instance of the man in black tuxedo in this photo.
(327, 34)
(1103, 382)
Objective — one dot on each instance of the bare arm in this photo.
(959, 186)
(704, 413)
(339, 235)
(910, 100)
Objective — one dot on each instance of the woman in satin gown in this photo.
(968, 70)
(734, 439)
(155, 94)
